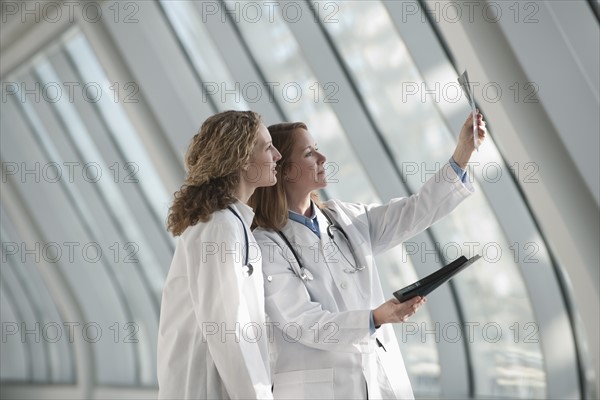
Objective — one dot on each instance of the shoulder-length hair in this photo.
(269, 203)
(213, 160)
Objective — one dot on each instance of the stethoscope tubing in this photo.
(304, 273)
(355, 267)
(247, 268)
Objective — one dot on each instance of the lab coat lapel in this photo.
(362, 280)
(244, 211)
(350, 284)
(361, 247)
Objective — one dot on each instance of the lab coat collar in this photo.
(311, 222)
(245, 211)
(303, 236)
(299, 234)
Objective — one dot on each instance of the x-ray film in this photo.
(463, 80)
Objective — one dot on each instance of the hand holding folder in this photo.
(431, 282)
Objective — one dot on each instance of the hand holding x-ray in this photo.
(463, 80)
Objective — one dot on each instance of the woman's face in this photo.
(305, 171)
(260, 171)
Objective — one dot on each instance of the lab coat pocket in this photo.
(306, 384)
(392, 376)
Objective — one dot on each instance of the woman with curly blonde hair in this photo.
(210, 343)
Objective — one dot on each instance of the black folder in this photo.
(431, 282)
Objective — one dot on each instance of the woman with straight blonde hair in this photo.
(210, 340)
(333, 337)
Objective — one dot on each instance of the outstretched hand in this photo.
(465, 146)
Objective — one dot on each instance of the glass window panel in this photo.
(382, 66)
(110, 293)
(15, 355)
(58, 353)
(130, 287)
(30, 328)
(90, 283)
(142, 226)
(134, 291)
(119, 125)
(187, 22)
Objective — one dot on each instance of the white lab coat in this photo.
(211, 315)
(323, 347)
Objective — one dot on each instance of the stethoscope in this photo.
(332, 227)
(305, 274)
(247, 268)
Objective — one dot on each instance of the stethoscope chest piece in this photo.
(306, 275)
(247, 270)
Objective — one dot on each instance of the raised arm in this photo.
(390, 224)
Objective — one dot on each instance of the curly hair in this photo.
(213, 160)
